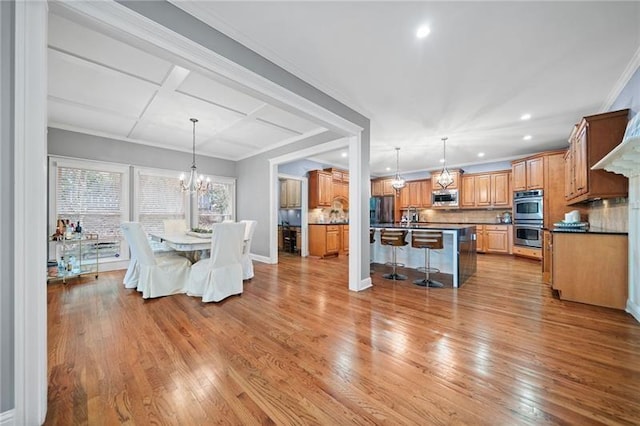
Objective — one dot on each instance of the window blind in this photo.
(158, 198)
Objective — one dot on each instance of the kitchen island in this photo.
(457, 258)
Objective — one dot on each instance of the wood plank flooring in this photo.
(298, 348)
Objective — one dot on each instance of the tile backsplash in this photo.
(462, 216)
(337, 213)
(612, 215)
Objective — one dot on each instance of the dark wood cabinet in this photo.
(593, 138)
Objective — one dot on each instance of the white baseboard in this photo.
(633, 309)
(262, 259)
(7, 418)
(365, 284)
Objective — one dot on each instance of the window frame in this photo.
(55, 162)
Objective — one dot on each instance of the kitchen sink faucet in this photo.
(412, 212)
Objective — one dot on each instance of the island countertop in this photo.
(439, 226)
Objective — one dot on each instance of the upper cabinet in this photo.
(382, 187)
(486, 190)
(593, 138)
(340, 183)
(455, 174)
(290, 191)
(528, 174)
(416, 193)
(320, 189)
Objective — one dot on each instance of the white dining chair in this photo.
(155, 276)
(247, 263)
(219, 276)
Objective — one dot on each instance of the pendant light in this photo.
(196, 183)
(398, 182)
(445, 179)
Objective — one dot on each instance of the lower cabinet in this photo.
(591, 268)
(530, 252)
(547, 257)
(494, 239)
(344, 242)
(324, 240)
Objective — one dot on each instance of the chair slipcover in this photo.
(156, 276)
(247, 263)
(220, 275)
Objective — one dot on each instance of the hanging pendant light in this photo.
(445, 179)
(196, 183)
(398, 182)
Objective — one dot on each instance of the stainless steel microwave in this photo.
(444, 198)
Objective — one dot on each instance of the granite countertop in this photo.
(443, 226)
(591, 230)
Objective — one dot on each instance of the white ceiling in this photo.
(483, 66)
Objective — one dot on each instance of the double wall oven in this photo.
(528, 218)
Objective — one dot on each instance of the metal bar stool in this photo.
(427, 240)
(372, 239)
(394, 238)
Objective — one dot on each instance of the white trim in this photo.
(356, 194)
(263, 259)
(284, 142)
(628, 72)
(7, 418)
(366, 283)
(30, 174)
(126, 22)
(633, 309)
(204, 14)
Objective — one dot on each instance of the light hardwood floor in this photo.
(298, 348)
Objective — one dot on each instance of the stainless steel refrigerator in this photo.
(381, 209)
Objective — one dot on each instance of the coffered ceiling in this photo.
(103, 86)
(482, 67)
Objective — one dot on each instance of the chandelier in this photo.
(445, 178)
(398, 182)
(196, 183)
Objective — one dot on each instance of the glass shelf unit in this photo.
(76, 256)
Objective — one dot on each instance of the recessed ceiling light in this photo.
(388, 168)
(442, 160)
(481, 154)
(344, 154)
(423, 31)
(527, 137)
(525, 116)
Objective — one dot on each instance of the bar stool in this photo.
(394, 238)
(427, 240)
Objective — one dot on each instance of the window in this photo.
(217, 204)
(158, 197)
(93, 194)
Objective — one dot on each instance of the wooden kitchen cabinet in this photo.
(528, 174)
(381, 187)
(340, 183)
(414, 195)
(344, 239)
(593, 138)
(290, 194)
(486, 190)
(320, 189)
(468, 193)
(591, 268)
(324, 240)
(547, 257)
(494, 239)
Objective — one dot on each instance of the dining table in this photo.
(194, 246)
